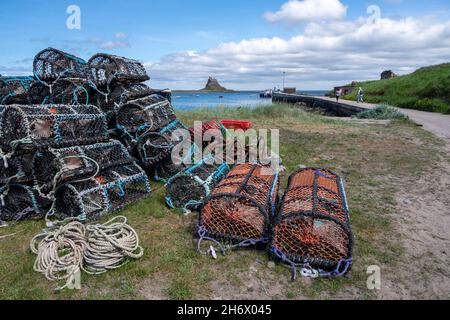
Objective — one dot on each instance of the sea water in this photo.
(194, 100)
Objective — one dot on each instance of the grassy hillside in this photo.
(427, 89)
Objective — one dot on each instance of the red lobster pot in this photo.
(239, 210)
(312, 231)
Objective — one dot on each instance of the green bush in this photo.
(432, 105)
(383, 112)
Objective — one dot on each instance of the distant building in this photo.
(388, 74)
(290, 90)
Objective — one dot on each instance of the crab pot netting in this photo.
(111, 190)
(57, 126)
(15, 90)
(120, 95)
(51, 64)
(189, 188)
(16, 169)
(167, 169)
(20, 202)
(175, 162)
(240, 208)
(151, 113)
(38, 93)
(105, 69)
(215, 128)
(75, 163)
(313, 226)
(156, 147)
(63, 91)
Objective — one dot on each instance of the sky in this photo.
(246, 45)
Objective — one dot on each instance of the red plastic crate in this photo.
(237, 124)
(205, 127)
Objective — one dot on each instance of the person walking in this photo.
(338, 94)
(360, 95)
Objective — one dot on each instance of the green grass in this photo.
(427, 89)
(370, 158)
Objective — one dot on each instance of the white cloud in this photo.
(114, 44)
(308, 10)
(121, 36)
(326, 54)
(121, 42)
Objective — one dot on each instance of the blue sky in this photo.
(227, 39)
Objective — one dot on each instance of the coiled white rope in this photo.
(60, 252)
(109, 245)
(64, 251)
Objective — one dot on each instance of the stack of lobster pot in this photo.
(149, 128)
(141, 118)
(106, 81)
(90, 181)
(55, 128)
(49, 149)
(116, 80)
(27, 130)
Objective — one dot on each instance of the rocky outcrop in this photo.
(214, 86)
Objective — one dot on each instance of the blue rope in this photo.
(125, 131)
(170, 126)
(170, 203)
(202, 232)
(121, 188)
(320, 173)
(272, 191)
(337, 272)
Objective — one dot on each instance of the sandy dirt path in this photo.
(423, 221)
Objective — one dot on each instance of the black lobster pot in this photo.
(39, 93)
(189, 188)
(54, 167)
(165, 153)
(166, 93)
(56, 126)
(63, 91)
(151, 113)
(120, 95)
(51, 64)
(16, 169)
(105, 69)
(111, 190)
(15, 90)
(21, 202)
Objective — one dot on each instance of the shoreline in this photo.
(208, 91)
